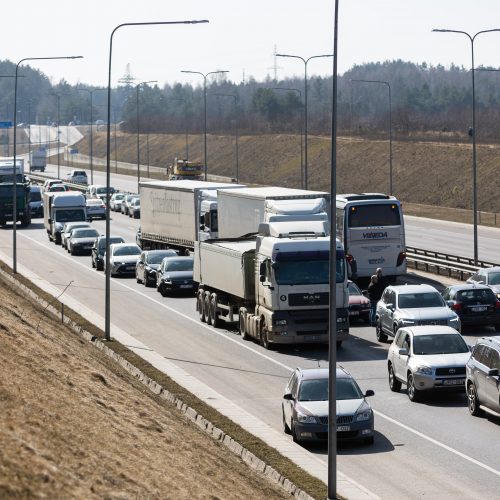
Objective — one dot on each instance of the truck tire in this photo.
(214, 318)
(264, 338)
(199, 304)
(241, 324)
(206, 307)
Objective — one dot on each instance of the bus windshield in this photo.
(380, 214)
(307, 268)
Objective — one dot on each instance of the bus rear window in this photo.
(383, 214)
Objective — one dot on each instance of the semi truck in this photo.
(38, 159)
(187, 170)
(275, 286)
(23, 211)
(240, 211)
(62, 207)
(176, 214)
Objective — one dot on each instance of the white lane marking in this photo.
(214, 331)
(438, 443)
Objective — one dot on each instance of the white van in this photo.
(77, 177)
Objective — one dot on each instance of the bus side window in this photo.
(340, 223)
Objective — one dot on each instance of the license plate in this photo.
(186, 286)
(130, 268)
(343, 428)
(477, 309)
(353, 313)
(459, 381)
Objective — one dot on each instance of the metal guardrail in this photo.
(41, 178)
(435, 262)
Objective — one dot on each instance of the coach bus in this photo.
(371, 227)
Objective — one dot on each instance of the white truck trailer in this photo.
(175, 214)
(38, 159)
(275, 286)
(62, 207)
(241, 211)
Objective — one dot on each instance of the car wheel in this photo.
(163, 290)
(71, 251)
(413, 392)
(473, 400)
(369, 440)
(199, 303)
(286, 429)
(294, 434)
(394, 383)
(381, 336)
(93, 263)
(137, 278)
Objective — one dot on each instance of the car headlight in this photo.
(364, 413)
(305, 419)
(341, 319)
(424, 370)
(404, 321)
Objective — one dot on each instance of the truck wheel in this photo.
(214, 319)
(241, 324)
(199, 305)
(264, 337)
(206, 307)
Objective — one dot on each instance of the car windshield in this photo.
(317, 389)
(422, 299)
(353, 289)
(71, 214)
(36, 196)
(439, 344)
(85, 233)
(475, 295)
(156, 258)
(493, 278)
(119, 197)
(128, 250)
(102, 242)
(179, 265)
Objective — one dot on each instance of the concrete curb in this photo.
(217, 434)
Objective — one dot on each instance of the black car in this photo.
(149, 262)
(36, 203)
(99, 248)
(475, 304)
(175, 274)
(483, 374)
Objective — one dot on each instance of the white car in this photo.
(123, 258)
(116, 201)
(426, 358)
(95, 208)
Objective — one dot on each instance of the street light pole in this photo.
(204, 75)
(472, 38)
(138, 131)
(91, 141)
(300, 132)
(305, 61)
(390, 123)
(107, 321)
(235, 130)
(14, 190)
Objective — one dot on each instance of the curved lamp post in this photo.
(300, 132)
(138, 131)
(305, 61)
(235, 97)
(383, 82)
(107, 326)
(472, 38)
(14, 191)
(204, 75)
(91, 143)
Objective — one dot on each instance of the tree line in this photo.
(424, 99)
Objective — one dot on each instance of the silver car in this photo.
(411, 305)
(81, 240)
(67, 228)
(123, 258)
(427, 358)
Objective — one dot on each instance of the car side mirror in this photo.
(450, 303)
(369, 393)
(403, 352)
(288, 397)
(493, 372)
(482, 282)
(391, 307)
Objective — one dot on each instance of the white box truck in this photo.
(177, 213)
(275, 286)
(62, 207)
(38, 159)
(241, 211)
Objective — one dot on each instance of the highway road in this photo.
(433, 449)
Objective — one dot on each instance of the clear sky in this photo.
(241, 36)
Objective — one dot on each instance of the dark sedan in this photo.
(475, 304)
(175, 274)
(145, 270)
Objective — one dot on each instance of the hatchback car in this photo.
(427, 358)
(116, 201)
(305, 407)
(149, 262)
(36, 203)
(81, 240)
(134, 208)
(175, 274)
(483, 377)
(411, 305)
(99, 247)
(50, 182)
(67, 228)
(123, 258)
(475, 304)
(57, 188)
(96, 209)
(489, 276)
(359, 305)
